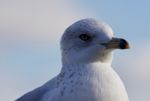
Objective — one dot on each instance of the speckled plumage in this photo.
(86, 73)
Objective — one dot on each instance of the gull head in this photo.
(89, 40)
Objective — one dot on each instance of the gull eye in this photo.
(84, 37)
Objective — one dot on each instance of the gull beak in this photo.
(117, 43)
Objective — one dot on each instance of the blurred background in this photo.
(30, 32)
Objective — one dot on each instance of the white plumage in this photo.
(86, 73)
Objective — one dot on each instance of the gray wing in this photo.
(38, 93)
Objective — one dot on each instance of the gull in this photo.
(87, 51)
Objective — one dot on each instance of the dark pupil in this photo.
(84, 37)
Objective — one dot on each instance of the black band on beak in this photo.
(123, 44)
(116, 43)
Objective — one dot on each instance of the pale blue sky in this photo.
(29, 41)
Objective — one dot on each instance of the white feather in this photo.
(86, 74)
